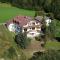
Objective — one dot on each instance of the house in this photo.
(17, 22)
(33, 28)
(28, 24)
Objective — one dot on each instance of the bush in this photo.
(28, 41)
(22, 40)
(48, 55)
(10, 54)
(37, 38)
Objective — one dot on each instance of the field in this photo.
(5, 40)
(57, 28)
(52, 45)
(7, 12)
(8, 48)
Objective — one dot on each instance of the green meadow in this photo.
(52, 45)
(7, 12)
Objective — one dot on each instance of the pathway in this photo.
(35, 46)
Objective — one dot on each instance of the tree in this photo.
(55, 8)
(52, 29)
(39, 13)
(47, 5)
(50, 15)
(49, 55)
(22, 40)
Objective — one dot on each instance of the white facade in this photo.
(33, 28)
(32, 33)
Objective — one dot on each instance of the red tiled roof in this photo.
(22, 20)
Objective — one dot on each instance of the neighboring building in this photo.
(45, 18)
(48, 21)
(32, 27)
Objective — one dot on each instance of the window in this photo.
(33, 23)
(30, 28)
(25, 29)
(37, 22)
(33, 28)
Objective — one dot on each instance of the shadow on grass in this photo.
(57, 38)
(19, 5)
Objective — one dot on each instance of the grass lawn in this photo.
(6, 42)
(7, 12)
(57, 28)
(52, 45)
(6, 39)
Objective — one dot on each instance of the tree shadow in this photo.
(19, 5)
(57, 38)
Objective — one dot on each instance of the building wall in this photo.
(32, 25)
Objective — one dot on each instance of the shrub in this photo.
(22, 40)
(37, 38)
(48, 55)
(10, 54)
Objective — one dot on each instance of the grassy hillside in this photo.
(57, 28)
(8, 48)
(6, 39)
(7, 12)
(52, 45)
